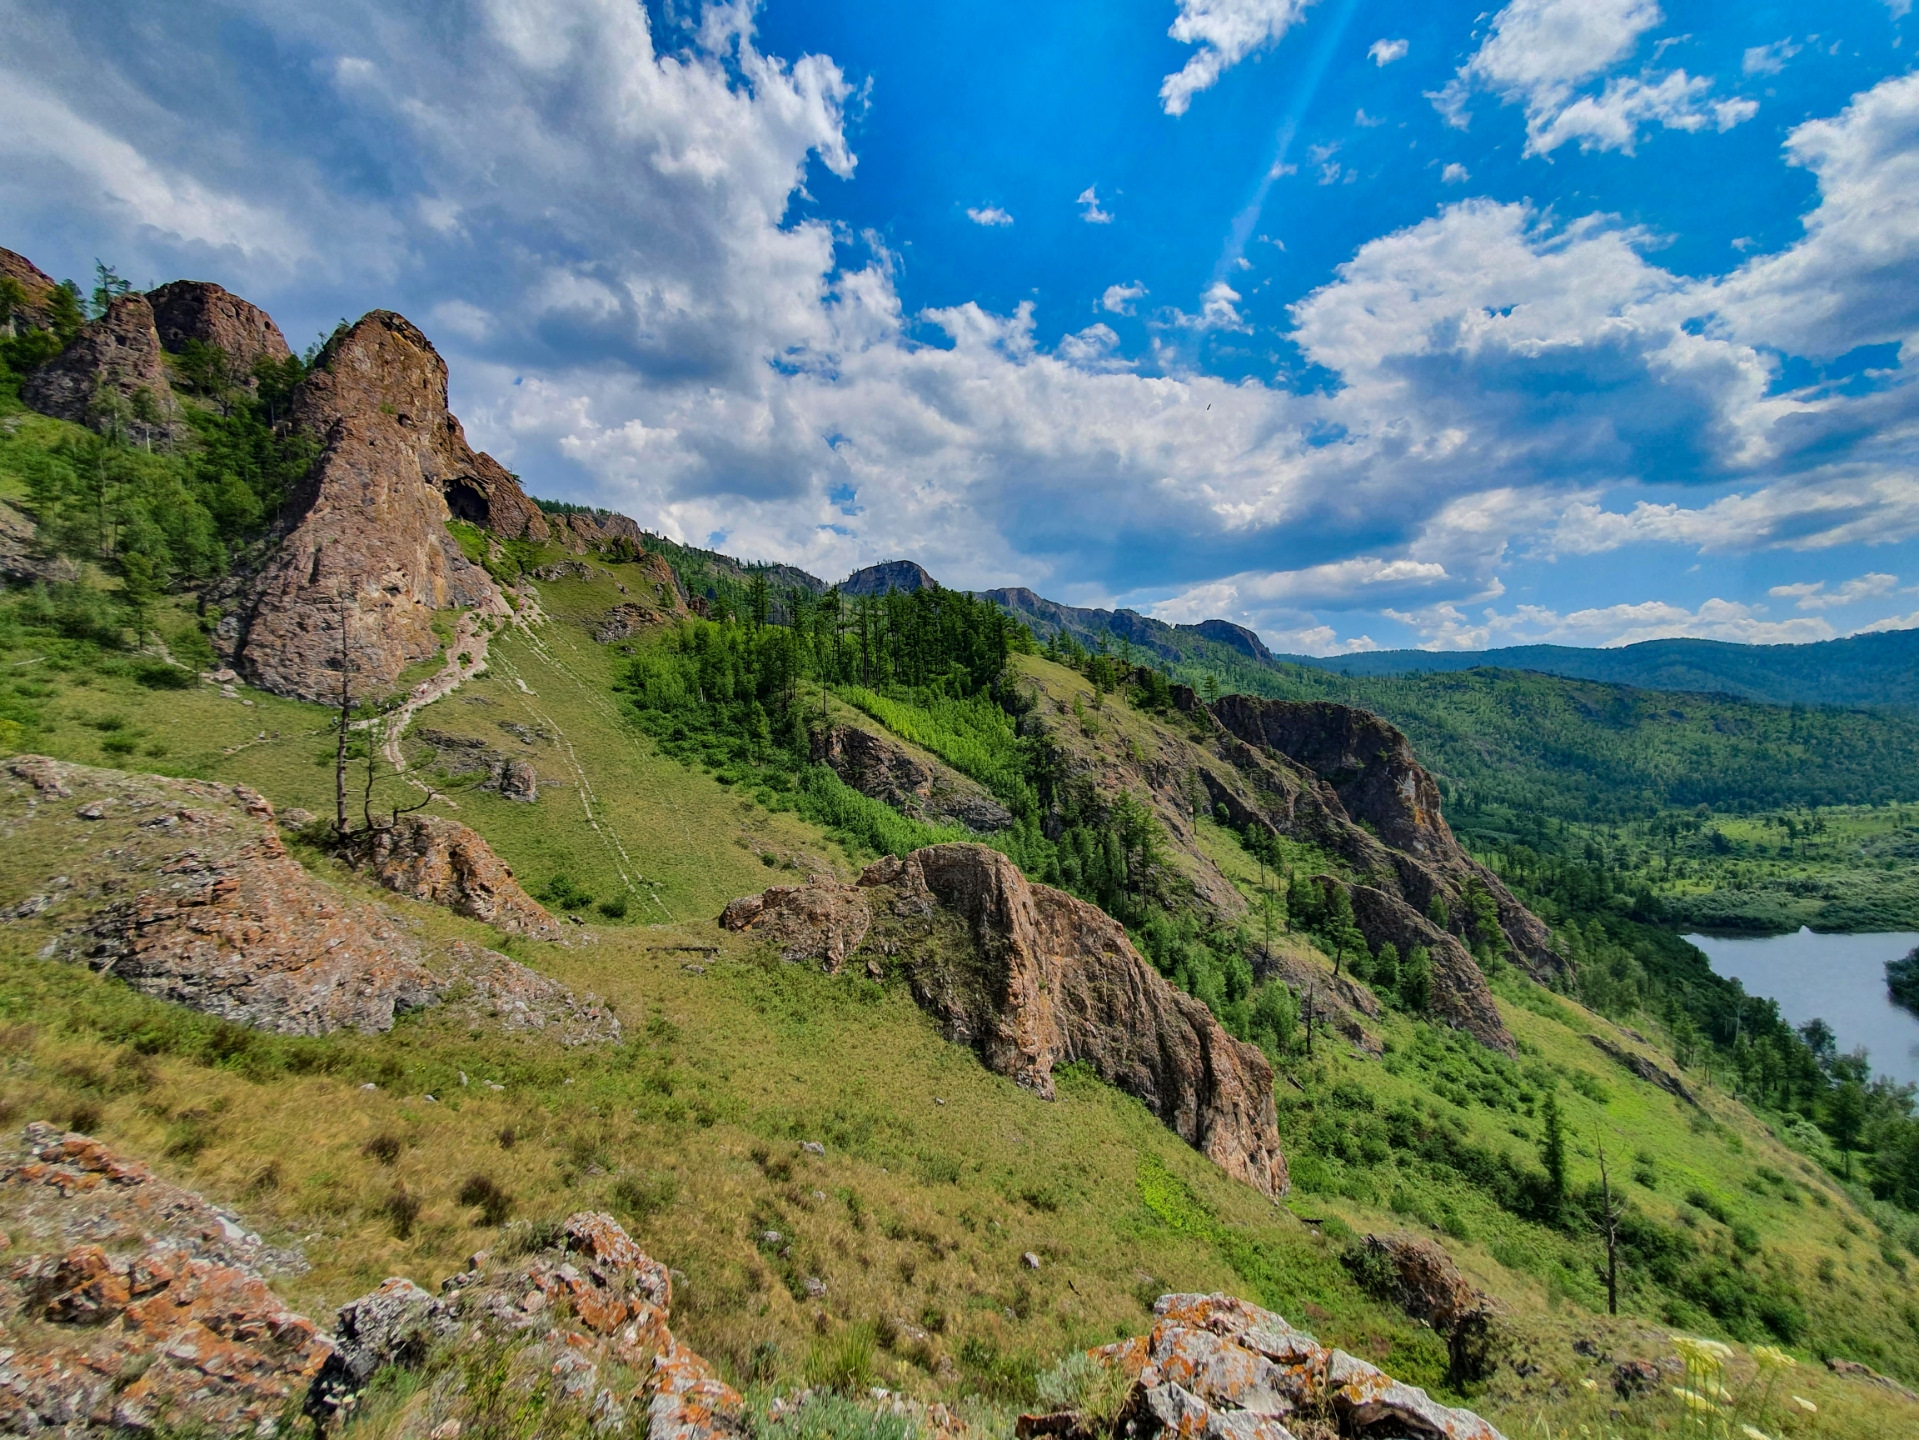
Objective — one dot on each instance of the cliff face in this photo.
(1192, 764)
(199, 310)
(1375, 779)
(1037, 980)
(366, 560)
(111, 377)
(35, 284)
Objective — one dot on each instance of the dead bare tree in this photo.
(1610, 1214)
(345, 720)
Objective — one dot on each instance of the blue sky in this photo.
(1362, 324)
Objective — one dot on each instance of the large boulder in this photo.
(446, 863)
(349, 594)
(1034, 979)
(112, 377)
(134, 1307)
(200, 310)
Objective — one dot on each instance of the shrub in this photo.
(826, 1416)
(157, 675)
(844, 1362)
(384, 1147)
(1079, 1382)
(402, 1209)
(494, 1203)
(643, 1197)
(614, 909)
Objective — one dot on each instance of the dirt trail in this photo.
(465, 658)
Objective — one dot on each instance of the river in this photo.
(1840, 979)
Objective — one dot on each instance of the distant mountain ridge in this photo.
(1860, 670)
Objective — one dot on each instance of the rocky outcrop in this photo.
(901, 575)
(36, 286)
(486, 987)
(1217, 1368)
(877, 765)
(1188, 767)
(656, 591)
(1039, 979)
(1459, 994)
(366, 560)
(200, 310)
(111, 377)
(822, 920)
(584, 531)
(183, 890)
(443, 862)
(133, 1306)
(24, 557)
(1649, 1071)
(1369, 767)
(575, 1322)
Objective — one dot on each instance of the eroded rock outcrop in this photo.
(187, 310)
(1370, 768)
(112, 377)
(1185, 770)
(877, 765)
(366, 559)
(443, 862)
(36, 286)
(580, 1319)
(1459, 994)
(131, 1305)
(184, 890)
(1034, 979)
(1217, 1368)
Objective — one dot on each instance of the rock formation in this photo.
(582, 1317)
(35, 284)
(1459, 994)
(443, 862)
(366, 559)
(199, 310)
(821, 920)
(902, 575)
(111, 377)
(1040, 979)
(194, 899)
(878, 765)
(1217, 1368)
(1370, 768)
(132, 1306)
(1183, 769)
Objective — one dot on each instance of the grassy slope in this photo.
(918, 1210)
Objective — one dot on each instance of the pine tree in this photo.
(1552, 1152)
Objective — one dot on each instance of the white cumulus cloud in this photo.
(1384, 52)
(1226, 31)
(1540, 52)
(1089, 207)
(1120, 299)
(988, 215)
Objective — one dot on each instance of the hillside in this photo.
(1857, 671)
(1046, 987)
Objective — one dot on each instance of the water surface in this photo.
(1840, 979)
